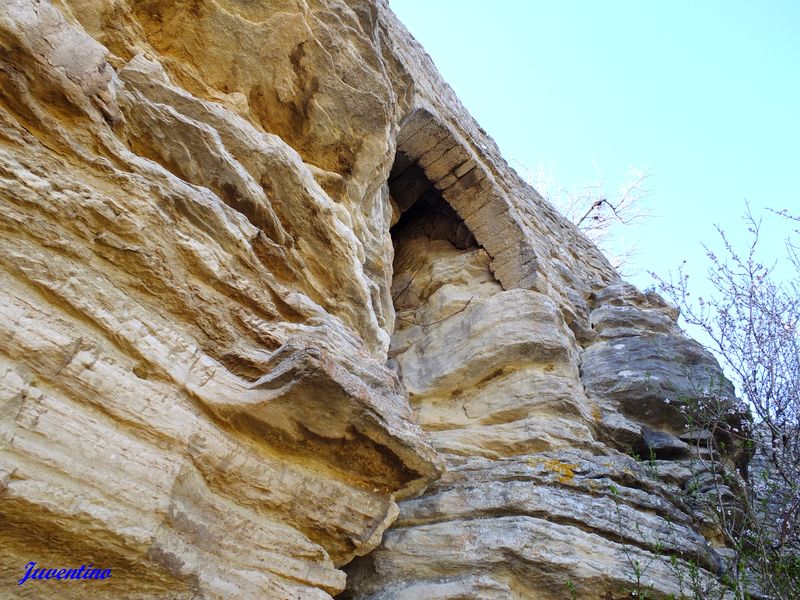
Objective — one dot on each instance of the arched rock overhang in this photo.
(427, 145)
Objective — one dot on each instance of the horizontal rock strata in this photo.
(542, 435)
(273, 301)
(191, 395)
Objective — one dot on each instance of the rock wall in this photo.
(269, 290)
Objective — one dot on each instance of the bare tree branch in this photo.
(753, 321)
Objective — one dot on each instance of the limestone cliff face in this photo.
(272, 300)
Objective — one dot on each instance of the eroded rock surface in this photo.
(192, 334)
(272, 300)
(539, 432)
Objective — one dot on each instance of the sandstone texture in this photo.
(278, 321)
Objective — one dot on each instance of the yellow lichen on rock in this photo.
(564, 472)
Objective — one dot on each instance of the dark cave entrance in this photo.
(422, 207)
(424, 226)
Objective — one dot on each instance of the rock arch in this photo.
(431, 153)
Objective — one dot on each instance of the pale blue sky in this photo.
(704, 93)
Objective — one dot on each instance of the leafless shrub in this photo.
(597, 211)
(752, 319)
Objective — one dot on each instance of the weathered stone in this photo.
(496, 379)
(191, 395)
(649, 377)
(663, 445)
(264, 280)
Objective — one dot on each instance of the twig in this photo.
(410, 281)
(413, 322)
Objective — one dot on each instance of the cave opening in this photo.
(426, 231)
(421, 208)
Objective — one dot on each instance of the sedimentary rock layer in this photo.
(263, 279)
(193, 388)
(540, 433)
